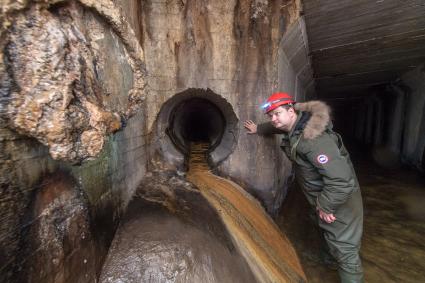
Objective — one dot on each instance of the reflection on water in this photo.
(268, 252)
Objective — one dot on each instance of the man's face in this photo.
(282, 118)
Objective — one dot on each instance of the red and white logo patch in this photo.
(322, 159)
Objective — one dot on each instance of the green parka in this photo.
(324, 171)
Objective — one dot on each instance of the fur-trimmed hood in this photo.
(320, 117)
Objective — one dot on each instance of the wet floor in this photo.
(393, 246)
(268, 252)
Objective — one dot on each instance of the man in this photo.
(325, 173)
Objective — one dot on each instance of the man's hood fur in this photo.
(320, 117)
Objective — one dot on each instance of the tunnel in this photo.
(196, 120)
(102, 101)
(197, 115)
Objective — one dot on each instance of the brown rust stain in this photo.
(268, 252)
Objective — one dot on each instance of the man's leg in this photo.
(325, 255)
(348, 277)
(343, 238)
(347, 255)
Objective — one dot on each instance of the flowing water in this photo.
(268, 252)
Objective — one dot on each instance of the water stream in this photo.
(268, 252)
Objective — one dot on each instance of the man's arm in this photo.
(261, 129)
(338, 178)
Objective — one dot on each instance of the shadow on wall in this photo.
(190, 116)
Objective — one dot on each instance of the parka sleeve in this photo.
(267, 129)
(337, 173)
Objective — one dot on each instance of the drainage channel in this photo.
(267, 251)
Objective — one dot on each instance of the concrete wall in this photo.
(392, 120)
(414, 128)
(240, 50)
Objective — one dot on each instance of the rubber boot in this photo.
(348, 277)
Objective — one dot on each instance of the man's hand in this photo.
(328, 218)
(250, 126)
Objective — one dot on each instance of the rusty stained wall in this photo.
(240, 50)
(60, 203)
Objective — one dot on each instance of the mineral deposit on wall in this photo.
(52, 87)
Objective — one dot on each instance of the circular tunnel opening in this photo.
(196, 115)
(196, 120)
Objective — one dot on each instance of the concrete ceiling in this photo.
(358, 44)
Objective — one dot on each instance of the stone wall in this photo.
(62, 191)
